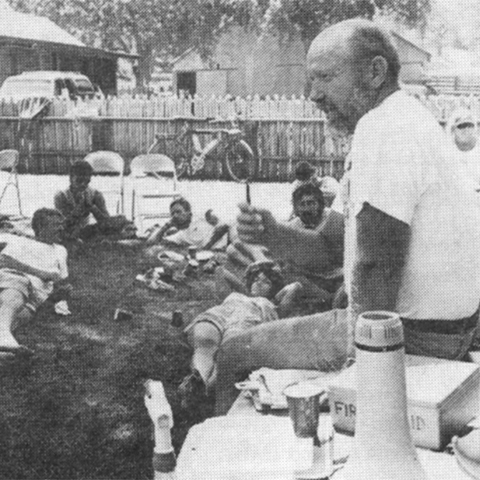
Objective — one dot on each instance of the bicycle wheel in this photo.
(240, 162)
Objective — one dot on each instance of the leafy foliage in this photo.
(167, 28)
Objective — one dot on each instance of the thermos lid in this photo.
(379, 329)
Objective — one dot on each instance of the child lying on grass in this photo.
(268, 301)
(31, 270)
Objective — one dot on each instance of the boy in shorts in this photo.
(268, 300)
(31, 270)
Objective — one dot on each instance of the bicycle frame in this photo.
(225, 138)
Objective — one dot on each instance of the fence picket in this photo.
(286, 130)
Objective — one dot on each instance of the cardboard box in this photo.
(443, 396)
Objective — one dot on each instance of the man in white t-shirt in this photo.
(184, 229)
(463, 129)
(413, 225)
(31, 270)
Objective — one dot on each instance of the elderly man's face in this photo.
(308, 210)
(336, 87)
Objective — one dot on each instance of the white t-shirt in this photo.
(197, 234)
(403, 164)
(471, 161)
(49, 258)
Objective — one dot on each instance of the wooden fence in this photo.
(281, 131)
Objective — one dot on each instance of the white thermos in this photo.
(382, 447)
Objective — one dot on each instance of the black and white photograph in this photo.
(239, 239)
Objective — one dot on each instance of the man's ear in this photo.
(378, 71)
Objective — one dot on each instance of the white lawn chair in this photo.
(8, 163)
(154, 180)
(111, 163)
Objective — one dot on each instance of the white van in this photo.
(47, 84)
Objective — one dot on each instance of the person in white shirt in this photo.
(462, 126)
(413, 224)
(185, 230)
(31, 270)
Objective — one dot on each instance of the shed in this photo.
(245, 64)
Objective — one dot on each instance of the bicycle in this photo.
(237, 154)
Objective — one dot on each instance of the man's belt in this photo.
(445, 327)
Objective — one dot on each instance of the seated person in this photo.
(84, 207)
(309, 207)
(267, 300)
(305, 173)
(31, 270)
(321, 279)
(183, 229)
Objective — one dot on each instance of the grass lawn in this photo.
(77, 410)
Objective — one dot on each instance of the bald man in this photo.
(413, 227)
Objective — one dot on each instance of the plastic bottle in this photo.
(164, 459)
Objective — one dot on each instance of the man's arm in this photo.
(61, 204)
(10, 262)
(304, 248)
(382, 246)
(158, 233)
(218, 232)
(98, 207)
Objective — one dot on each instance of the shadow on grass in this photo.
(76, 410)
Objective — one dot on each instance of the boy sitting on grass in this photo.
(31, 270)
(80, 202)
(267, 300)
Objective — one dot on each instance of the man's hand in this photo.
(256, 225)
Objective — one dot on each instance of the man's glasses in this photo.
(463, 126)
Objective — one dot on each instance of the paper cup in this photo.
(304, 407)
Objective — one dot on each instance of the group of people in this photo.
(402, 234)
(412, 221)
(33, 270)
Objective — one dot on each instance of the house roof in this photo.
(31, 27)
(26, 28)
(414, 45)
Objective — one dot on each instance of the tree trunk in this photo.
(145, 65)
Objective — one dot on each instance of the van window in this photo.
(72, 89)
(84, 87)
(59, 86)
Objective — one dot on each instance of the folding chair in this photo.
(8, 163)
(109, 163)
(153, 178)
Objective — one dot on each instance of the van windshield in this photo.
(83, 86)
(25, 86)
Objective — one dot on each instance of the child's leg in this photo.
(206, 339)
(11, 304)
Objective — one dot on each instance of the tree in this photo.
(149, 28)
(167, 28)
(308, 17)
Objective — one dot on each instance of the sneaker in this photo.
(192, 390)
